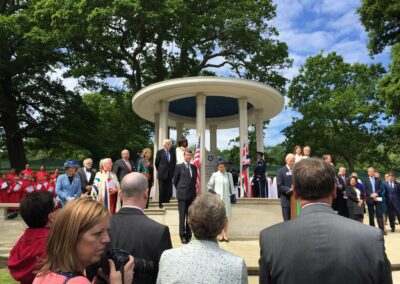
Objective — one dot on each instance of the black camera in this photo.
(120, 258)
(143, 268)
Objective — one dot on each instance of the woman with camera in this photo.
(77, 239)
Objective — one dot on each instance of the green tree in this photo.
(340, 110)
(30, 100)
(150, 41)
(381, 19)
(390, 90)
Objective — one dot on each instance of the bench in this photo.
(3, 208)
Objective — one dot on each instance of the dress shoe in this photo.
(385, 233)
(188, 240)
(392, 230)
(160, 206)
(184, 241)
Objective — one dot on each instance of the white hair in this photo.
(288, 156)
(167, 141)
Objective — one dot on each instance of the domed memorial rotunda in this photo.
(207, 102)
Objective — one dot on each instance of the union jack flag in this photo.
(196, 162)
(245, 164)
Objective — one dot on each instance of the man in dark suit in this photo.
(87, 174)
(339, 203)
(133, 231)
(320, 246)
(284, 184)
(373, 189)
(185, 177)
(165, 165)
(392, 199)
(123, 166)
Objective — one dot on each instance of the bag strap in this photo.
(68, 275)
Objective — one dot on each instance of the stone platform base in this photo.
(249, 216)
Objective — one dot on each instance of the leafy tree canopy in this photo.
(381, 19)
(340, 109)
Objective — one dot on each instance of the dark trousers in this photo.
(184, 229)
(165, 187)
(375, 207)
(150, 185)
(393, 209)
(260, 189)
(286, 213)
(342, 207)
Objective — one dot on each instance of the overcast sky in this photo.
(307, 27)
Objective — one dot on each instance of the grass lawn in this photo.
(5, 277)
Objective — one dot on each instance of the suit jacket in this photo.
(320, 246)
(165, 169)
(184, 183)
(392, 194)
(141, 236)
(284, 184)
(84, 182)
(66, 189)
(344, 185)
(368, 188)
(121, 169)
(201, 261)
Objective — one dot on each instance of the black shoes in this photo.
(185, 240)
(392, 230)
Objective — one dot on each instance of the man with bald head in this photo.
(284, 184)
(133, 231)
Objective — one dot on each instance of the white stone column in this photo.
(179, 131)
(201, 132)
(163, 127)
(155, 149)
(213, 140)
(243, 133)
(259, 131)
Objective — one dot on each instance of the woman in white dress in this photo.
(222, 183)
(180, 150)
(298, 153)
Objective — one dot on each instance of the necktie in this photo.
(189, 169)
(128, 165)
(373, 185)
(392, 185)
(168, 156)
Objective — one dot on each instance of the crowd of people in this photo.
(353, 196)
(81, 242)
(92, 226)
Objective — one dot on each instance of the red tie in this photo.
(128, 165)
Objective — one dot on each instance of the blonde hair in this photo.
(76, 218)
(145, 151)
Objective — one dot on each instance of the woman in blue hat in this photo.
(68, 186)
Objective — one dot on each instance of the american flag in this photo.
(196, 162)
(245, 165)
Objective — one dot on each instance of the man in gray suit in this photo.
(319, 246)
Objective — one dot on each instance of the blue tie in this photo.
(168, 157)
(373, 185)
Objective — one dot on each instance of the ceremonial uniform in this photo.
(260, 188)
